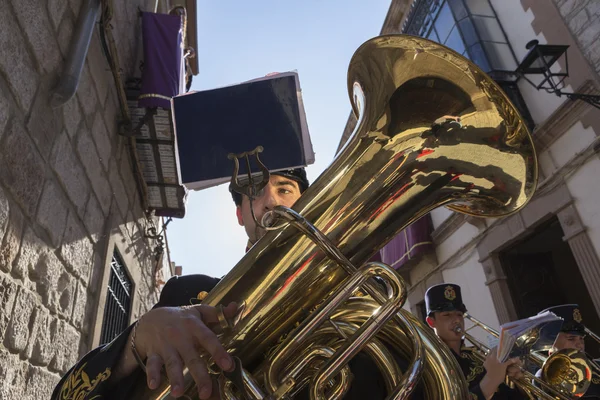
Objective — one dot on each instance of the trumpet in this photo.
(565, 374)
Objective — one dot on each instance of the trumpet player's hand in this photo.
(515, 368)
(496, 371)
(176, 338)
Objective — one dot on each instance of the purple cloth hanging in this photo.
(162, 59)
(409, 244)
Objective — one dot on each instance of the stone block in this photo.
(128, 179)
(102, 140)
(40, 349)
(75, 6)
(12, 239)
(56, 9)
(71, 173)
(593, 9)
(8, 293)
(34, 21)
(44, 123)
(32, 248)
(99, 68)
(66, 341)
(65, 35)
(86, 92)
(13, 376)
(16, 62)
(119, 191)
(52, 212)
(571, 6)
(112, 112)
(94, 218)
(91, 161)
(77, 250)
(80, 307)
(72, 117)
(590, 34)
(40, 383)
(22, 169)
(5, 111)
(4, 212)
(579, 22)
(54, 284)
(18, 330)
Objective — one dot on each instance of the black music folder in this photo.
(266, 112)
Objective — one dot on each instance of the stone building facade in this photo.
(548, 253)
(69, 202)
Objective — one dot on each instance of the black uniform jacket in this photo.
(474, 372)
(88, 378)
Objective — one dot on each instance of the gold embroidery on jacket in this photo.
(476, 366)
(78, 385)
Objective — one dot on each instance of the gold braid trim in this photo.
(477, 366)
(78, 385)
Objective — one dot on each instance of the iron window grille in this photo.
(117, 309)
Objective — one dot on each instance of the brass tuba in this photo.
(433, 130)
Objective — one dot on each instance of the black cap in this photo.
(572, 322)
(296, 174)
(444, 297)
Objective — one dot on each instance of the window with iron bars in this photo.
(118, 300)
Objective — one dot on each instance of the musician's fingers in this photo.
(154, 364)
(216, 392)
(210, 314)
(197, 367)
(174, 367)
(207, 339)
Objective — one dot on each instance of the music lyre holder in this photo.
(252, 188)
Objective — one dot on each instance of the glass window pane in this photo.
(500, 56)
(455, 42)
(458, 8)
(468, 31)
(489, 29)
(433, 36)
(480, 7)
(478, 56)
(444, 22)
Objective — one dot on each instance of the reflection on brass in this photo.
(433, 130)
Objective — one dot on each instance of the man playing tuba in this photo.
(170, 335)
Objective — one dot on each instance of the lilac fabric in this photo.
(409, 244)
(162, 59)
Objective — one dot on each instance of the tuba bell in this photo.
(433, 130)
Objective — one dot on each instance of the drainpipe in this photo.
(69, 79)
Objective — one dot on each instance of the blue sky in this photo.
(242, 40)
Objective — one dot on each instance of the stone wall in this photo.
(67, 194)
(583, 20)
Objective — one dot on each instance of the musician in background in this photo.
(445, 310)
(572, 336)
(170, 335)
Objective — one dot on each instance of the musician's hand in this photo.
(515, 368)
(173, 337)
(495, 370)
